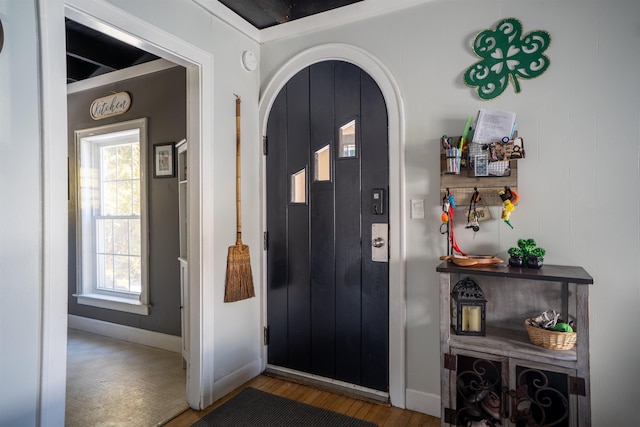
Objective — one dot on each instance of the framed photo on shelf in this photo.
(163, 160)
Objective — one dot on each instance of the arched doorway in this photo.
(327, 186)
(391, 94)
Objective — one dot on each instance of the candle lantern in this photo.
(468, 306)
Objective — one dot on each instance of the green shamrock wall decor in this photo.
(506, 55)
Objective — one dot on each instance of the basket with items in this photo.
(549, 331)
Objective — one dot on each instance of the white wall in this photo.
(236, 326)
(578, 184)
(30, 392)
(20, 216)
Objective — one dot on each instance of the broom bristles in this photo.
(239, 281)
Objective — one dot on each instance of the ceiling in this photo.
(267, 13)
(91, 53)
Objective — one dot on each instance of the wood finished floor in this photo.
(382, 415)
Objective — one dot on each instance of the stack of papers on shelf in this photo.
(492, 126)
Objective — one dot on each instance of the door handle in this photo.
(379, 246)
(378, 242)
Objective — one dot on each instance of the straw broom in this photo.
(239, 281)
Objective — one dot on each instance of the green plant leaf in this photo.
(515, 251)
(538, 252)
(506, 56)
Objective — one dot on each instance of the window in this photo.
(112, 217)
(322, 158)
(347, 139)
(299, 186)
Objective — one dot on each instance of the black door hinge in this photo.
(265, 335)
(450, 416)
(577, 386)
(265, 241)
(450, 361)
(264, 145)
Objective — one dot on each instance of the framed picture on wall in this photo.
(163, 160)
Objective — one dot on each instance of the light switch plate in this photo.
(417, 208)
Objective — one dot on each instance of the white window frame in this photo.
(87, 294)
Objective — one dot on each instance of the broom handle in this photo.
(238, 181)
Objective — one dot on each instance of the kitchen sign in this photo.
(112, 105)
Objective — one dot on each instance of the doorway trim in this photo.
(199, 65)
(397, 280)
(109, 19)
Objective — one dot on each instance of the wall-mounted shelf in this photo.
(462, 185)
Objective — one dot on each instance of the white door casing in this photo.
(397, 285)
(199, 64)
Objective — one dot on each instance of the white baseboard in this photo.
(228, 383)
(426, 403)
(126, 333)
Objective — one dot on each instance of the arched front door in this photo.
(327, 172)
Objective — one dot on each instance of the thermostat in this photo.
(249, 60)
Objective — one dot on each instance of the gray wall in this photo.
(161, 98)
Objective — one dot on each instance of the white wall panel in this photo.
(20, 216)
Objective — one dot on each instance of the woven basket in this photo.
(550, 339)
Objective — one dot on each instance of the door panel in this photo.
(322, 207)
(299, 298)
(277, 198)
(348, 229)
(327, 301)
(375, 275)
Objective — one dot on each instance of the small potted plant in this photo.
(536, 258)
(526, 254)
(516, 258)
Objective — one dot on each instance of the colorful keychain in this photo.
(509, 199)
